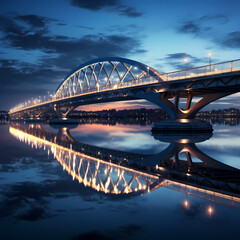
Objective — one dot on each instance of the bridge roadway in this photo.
(194, 87)
(137, 173)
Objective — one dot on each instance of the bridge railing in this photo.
(54, 97)
(207, 70)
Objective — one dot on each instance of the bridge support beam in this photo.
(62, 116)
(183, 119)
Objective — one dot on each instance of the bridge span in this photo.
(119, 79)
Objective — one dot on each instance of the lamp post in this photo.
(185, 60)
(209, 56)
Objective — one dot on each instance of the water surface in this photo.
(41, 199)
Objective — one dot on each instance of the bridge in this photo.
(120, 173)
(119, 79)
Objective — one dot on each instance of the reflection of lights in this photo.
(186, 204)
(184, 120)
(184, 141)
(210, 211)
(73, 162)
(160, 168)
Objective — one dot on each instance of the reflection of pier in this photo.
(116, 172)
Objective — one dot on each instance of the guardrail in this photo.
(206, 70)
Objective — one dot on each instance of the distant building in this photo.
(4, 115)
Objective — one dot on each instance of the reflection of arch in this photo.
(124, 176)
(105, 176)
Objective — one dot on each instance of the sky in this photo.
(41, 41)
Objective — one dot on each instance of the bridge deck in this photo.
(187, 74)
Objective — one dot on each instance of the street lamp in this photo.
(185, 60)
(209, 56)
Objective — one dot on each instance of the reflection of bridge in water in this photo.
(118, 172)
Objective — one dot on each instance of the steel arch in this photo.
(98, 74)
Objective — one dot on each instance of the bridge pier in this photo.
(62, 116)
(183, 119)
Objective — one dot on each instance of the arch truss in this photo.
(106, 73)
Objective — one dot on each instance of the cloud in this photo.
(84, 27)
(111, 5)
(128, 11)
(194, 27)
(231, 40)
(96, 45)
(94, 235)
(56, 54)
(34, 20)
(202, 25)
(94, 4)
(218, 18)
(176, 60)
(189, 27)
(206, 27)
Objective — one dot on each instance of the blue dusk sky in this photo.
(43, 40)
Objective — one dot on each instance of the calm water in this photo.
(59, 183)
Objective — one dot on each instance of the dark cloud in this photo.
(232, 40)
(189, 27)
(87, 46)
(33, 20)
(219, 18)
(129, 11)
(206, 27)
(94, 235)
(94, 4)
(60, 53)
(84, 27)
(177, 60)
(113, 5)
(202, 26)
(193, 27)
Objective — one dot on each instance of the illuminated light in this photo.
(156, 166)
(184, 141)
(210, 210)
(186, 204)
(188, 174)
(115, 86)
(184, 120)
(185, 60)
